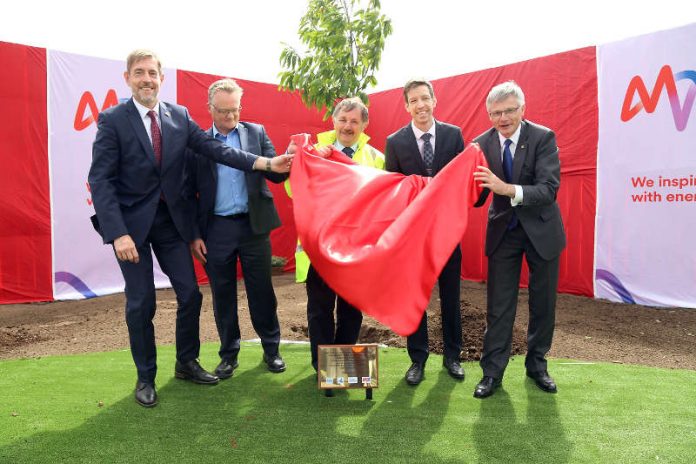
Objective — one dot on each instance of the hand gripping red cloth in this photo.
(380, 239)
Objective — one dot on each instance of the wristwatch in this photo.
(268, 164)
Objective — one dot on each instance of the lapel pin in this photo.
(166, 113)
(523, 146)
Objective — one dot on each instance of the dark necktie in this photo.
(507, 172)
(156, 137)
(428, 154)
(348, 151)
(220, 137)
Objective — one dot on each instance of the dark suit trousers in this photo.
(227, 240)
(174, 258)
(449, 283)
(323, 330)
(504, 267)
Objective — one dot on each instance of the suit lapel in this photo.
(520, 152)
(139, 128)
(211, 165)
(495, 160)
(167, 128)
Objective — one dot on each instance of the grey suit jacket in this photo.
(263, 216)
(537, 168)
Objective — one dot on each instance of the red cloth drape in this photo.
(380, 239)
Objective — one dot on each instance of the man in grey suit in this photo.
(523, 219)
(138, 184)
(424, 147)
(235, 216)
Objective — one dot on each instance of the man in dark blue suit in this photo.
(523, 220)
(424, 147)
(235, 217)
(138, 185)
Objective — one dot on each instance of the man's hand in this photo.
(492, 182)
(280, 164)
(125, 249)
(198, 250)
(292, 148)
(326, 151)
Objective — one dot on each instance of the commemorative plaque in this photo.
(348, 366)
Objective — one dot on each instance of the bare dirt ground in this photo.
(586, 329)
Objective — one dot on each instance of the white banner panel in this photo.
(646, 170)
(79, 87)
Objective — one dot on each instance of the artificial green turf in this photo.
(604, 413)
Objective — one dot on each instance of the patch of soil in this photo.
(586, 329)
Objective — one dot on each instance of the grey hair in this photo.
(223, 85)
(502, 91)
(349, 104)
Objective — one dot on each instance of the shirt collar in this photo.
(419, 133)
(143, 110)
(216, 132)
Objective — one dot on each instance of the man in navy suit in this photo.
(424, 147)
(138, 180)
(235, 217)
(523, 219)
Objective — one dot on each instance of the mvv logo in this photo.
(666, 79)
(87, 110)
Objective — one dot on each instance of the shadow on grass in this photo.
(500, 436)
(253, 417)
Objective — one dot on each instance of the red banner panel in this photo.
(561, 93)
(25, 212)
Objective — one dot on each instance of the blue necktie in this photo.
(507, 161)
(348, 151)
(507, 172)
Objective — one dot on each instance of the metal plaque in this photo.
(348, 366)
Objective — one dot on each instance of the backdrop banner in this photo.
(79, 88)
(646, 170)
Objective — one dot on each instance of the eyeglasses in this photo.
(506, 112)
(226, 112)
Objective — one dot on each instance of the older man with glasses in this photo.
(523, 219)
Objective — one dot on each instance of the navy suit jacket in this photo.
(402, 154)
(537, 168)
(263, 216)
(126, 182)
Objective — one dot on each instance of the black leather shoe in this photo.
(454, 368)
(226, 368)
(486, 387)
(274, 362)
(193, 371)
(145, 394)
(543, 380)
(414, 374)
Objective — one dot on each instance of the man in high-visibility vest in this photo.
(350, 118)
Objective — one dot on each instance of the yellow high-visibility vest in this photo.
(365, 155)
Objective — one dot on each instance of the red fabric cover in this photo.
(282, 114)
(25, 212)
(380, 239)
(561, 93)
